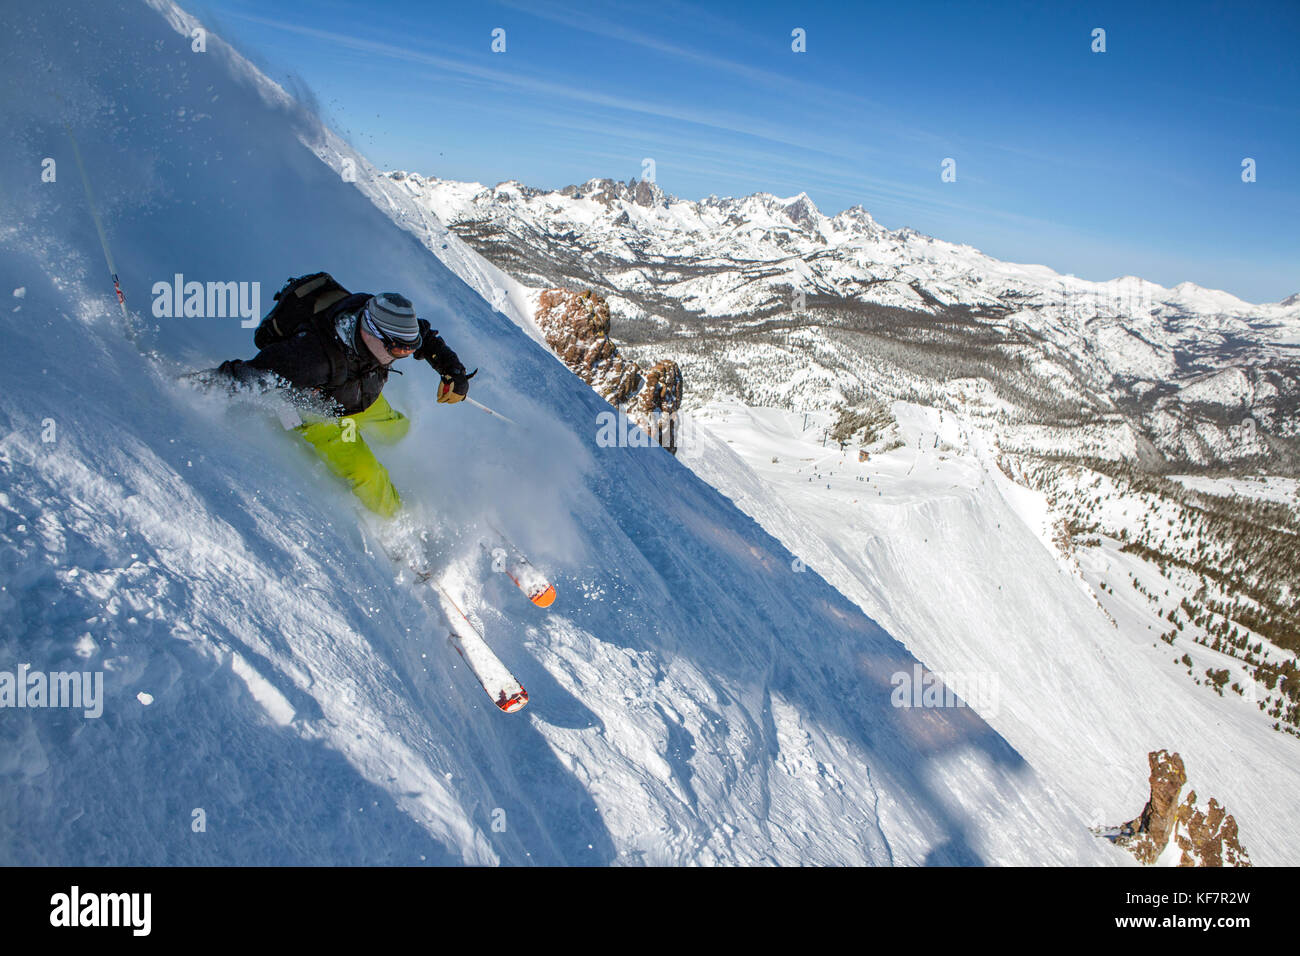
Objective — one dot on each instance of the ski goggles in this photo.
(398, 348)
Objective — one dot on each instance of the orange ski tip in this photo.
(546, 598)
(514, 702)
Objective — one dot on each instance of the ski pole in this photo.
(478, 404)
(99, 226)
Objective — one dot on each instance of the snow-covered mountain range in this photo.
(768, 301)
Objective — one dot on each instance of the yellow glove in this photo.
(453, 388)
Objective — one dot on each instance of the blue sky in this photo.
(1097, 164)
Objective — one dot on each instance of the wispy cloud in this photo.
(784, 82)
(805, 138)
(823, 166)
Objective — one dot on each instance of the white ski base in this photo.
(506, 692)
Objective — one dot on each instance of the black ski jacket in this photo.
(329, 357)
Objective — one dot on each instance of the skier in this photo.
(340, 347)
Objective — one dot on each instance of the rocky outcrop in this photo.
(1209, 837)
(1147, 836)
(662, 390)
(1199, 836)
(576, 326)
(608, 191)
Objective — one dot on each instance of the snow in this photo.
(1263, 487)
(921, 536)
(694, 698)
(1230, 388)
(1130, 354)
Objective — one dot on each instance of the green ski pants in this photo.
(339, 442)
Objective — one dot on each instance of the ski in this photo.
(494, 677)
(464, 636)
(511, 561)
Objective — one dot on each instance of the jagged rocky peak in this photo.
(857, 215)
(802, 211)
(1197, 835)
(1293, 299)
(608, 191)
(647, 193)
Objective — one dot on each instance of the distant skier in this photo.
(340, 347)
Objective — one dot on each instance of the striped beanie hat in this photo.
(393, 313)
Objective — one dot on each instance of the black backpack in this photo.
(300, 302)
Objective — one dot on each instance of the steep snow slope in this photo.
(935, 543)
(694, 700)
